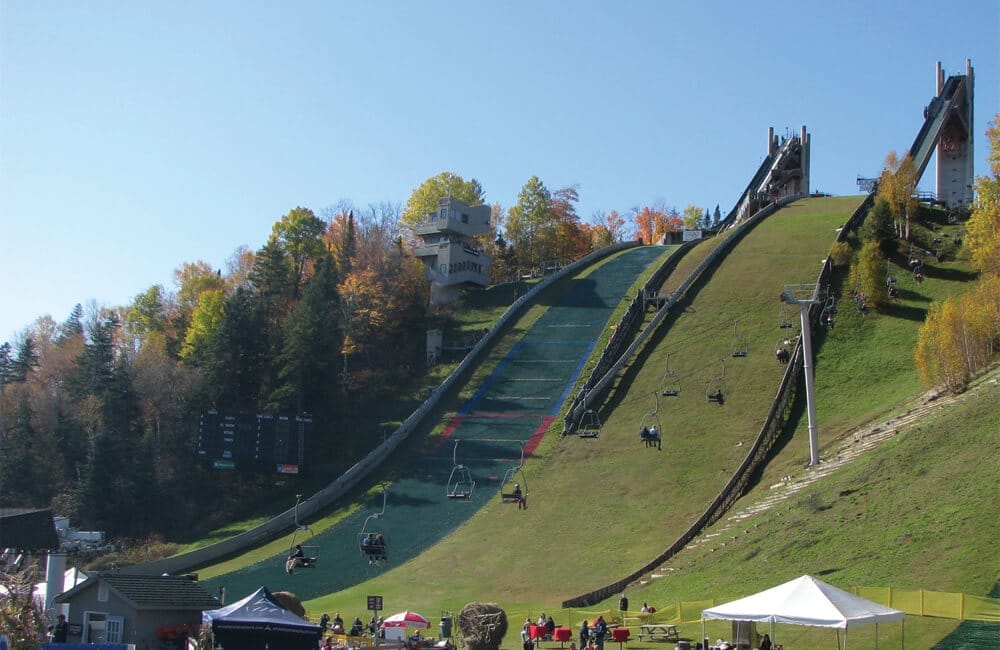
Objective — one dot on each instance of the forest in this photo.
(99, 412)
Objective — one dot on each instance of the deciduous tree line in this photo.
(961, 335)
(99, 413)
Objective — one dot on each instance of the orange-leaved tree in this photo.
(652, 223)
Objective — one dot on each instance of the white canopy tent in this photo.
(806, 601)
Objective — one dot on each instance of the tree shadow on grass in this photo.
(918, 314)
(950, 275)
(912, 296)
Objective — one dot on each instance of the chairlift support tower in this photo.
(805, 296)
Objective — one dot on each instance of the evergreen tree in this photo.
(147, 505)
(6, 364)
(235, 357)
(25, 361)
(716, 216)
(17, 463)
(96, 495)
(879, 227)
(101, 394)
(307, 364)
(270, 280)
(526, 220)
(348, 247)
(72, 326)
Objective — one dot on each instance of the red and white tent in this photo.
(406, 619)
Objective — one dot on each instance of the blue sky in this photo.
(136, 136)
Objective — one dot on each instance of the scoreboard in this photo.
(247, 441)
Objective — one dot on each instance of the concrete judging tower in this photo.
(449, 251)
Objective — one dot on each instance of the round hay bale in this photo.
(482, 626)
(291, 602)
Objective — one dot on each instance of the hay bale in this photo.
(291, 602)
(482, 626)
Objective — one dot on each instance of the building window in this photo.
(102, 592)
(465, 218)
(444, 213)
(114, 629)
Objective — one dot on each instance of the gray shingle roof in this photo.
(155, 592)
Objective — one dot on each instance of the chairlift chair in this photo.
(715, 388)
(590, 422)
(373, 544)
(670, 385)
(460, 482)
(739, 342)
(309, 555)
(783, 349)
(590, 425)
(512, 495)
(518, 490)
(650, 431)
(784, 317)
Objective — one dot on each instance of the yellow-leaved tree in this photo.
(939, 356)
(961, 337)
(868, 274)
(983, 228)
(896, 185)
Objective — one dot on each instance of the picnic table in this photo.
(658, 632)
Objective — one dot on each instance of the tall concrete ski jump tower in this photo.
(955, 174)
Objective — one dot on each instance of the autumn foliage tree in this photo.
(868, 275)
(652, 223)
(897, 185)
(983, 227)
(609, 228)
(424, 198)
(961, 336)
(326, 318)
(22, 621)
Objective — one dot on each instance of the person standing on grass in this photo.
(600, 631)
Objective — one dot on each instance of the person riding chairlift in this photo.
(519, 497)
(296, 559)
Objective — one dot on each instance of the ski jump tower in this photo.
(955, 175)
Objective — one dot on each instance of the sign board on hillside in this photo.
(375, 603)
(691, 235)
(254, 441)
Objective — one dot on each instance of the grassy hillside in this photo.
(582, 487)
(605, 506)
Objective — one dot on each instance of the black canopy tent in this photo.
(258, 622)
